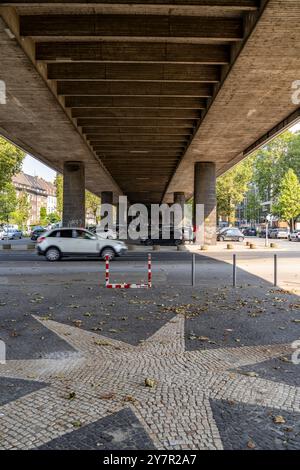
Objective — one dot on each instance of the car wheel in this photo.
(53, 254)
(177, 242)
(108, 252)
(241, 239)
(221, 239)
(148, 242)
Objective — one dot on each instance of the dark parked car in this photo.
(164, 237)
(250, 232)
(36, 233)
(262, 234)
(231, 234)
(294, 236)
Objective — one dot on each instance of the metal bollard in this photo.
(234, 271)
(275, 271)
(193, 269)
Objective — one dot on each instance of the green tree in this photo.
(92, 204)
(232, 187)
(272, 162)
(292, 157)
(43, 216)
(58, 182)
(11, 159)
(53, 217)
(22, 213)
(288, 203)
(253, 206)
(8, 202)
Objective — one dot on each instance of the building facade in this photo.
(40, 193)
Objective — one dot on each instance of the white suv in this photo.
(61, 242)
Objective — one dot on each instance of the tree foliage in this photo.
(43, 216)
(253, 206)
(53, 218)
(11, 159)
(22, 212)
(266, 170)
(273, 161)
(8, 202)
(92, 204)
(58, 182)
(232, 187)
(288, 203)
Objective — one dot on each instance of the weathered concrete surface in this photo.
(74, 195)
(34, 120)
(195, 81)
(256, 95)
(205, 194)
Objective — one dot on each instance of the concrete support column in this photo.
(117, 206)
(107, 197)
(179, 198)
(205, 193)
(74, 194)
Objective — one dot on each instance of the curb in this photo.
(9, 246)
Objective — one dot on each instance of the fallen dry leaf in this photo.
(102, 342)
(279, 419)
(150, 383)
(71, 396)
(107, 396)
(251, 444)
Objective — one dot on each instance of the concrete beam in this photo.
(231, 5)
(123, 149)
(137, 132)
(121, 88)
(135, 123)
(135, 113)
(142, 72)
(133, 26)
(34, 120)
(122, 153)
(107, 102)
(139, 139)
(268, 62)
(139, 52)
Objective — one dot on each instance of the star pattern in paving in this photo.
(103, 376)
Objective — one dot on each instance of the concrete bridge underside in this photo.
(139, 92)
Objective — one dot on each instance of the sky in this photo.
(34, 167)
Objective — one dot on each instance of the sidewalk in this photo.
(190, 368)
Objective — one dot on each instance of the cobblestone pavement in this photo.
(217, 365)
(104, 376)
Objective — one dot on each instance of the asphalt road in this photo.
(168, 268)
(180, 257)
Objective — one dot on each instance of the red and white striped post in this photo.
(149, 270)
(106, 270)
(125, 285)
